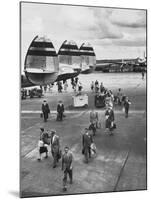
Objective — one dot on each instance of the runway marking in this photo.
(121, 170)
(79, 111)
(27, 129)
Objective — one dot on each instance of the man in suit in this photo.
(109, 115)
(60, 111)
(67, 158)
(55, 147)
(87, 140)
(126, 106)
(45, 110)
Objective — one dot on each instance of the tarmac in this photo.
(120, 163)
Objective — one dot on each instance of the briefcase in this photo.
(114, 125)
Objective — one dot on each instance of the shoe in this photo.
(39, 159)
(46, 157)
(54, 166)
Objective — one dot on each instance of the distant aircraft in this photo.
(69, 61)
(88, 58)
(41, 63)
(121, 65)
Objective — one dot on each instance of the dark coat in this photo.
(60, 108)
(110, 118)
(126, 104)
(67, 160)
(45, 108)
(87, 140)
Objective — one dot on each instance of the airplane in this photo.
(69, 61)
(88, 58)
(41, 65)
(41, 58)
(121, 65)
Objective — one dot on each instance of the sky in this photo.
(113, 33)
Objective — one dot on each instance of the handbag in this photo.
(114, 125)
(41, 115)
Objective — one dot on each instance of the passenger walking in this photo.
(101, 88)
(87, 140)
(42, 147)
(96, 86)
(126, 106)
(45, 110)
(60, 111)
(109, 114)
(79, 87)
(92, 86)
(76, 80)
(55, 147)
(119, 96)
(96, 82)
(67, 159)
(65, 86)
(93, 121)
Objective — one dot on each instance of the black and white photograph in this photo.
(83, 99)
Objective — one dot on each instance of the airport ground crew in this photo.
(109, 114)
(55, 147)
(87, 140)
(60, 111)
(45, 110)
(93, 121)
(67, 159)
(126, 106)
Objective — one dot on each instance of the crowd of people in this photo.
(62, 86)
(88, 136)
(109, 99)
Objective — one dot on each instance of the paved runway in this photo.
(120, 163)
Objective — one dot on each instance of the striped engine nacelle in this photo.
(69, 60)
(88, 58)
(41, 63)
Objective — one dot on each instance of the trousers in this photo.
(66, 173)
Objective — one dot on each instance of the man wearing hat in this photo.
(86, 143)
(109, 115)
(60, 111)
(55, 147)
(45, 110)
(67, 158)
